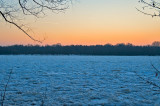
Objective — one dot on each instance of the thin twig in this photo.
(19, 28)
(10, 11)
(5, 88)
(155, 68)
(147, 81)
(44, 97)
(150, 5)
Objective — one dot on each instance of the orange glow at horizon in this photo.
(89, 22)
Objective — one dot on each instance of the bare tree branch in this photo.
(19, 28)
(14, 10)
(147, 81)
(150, 7)
(5, 89)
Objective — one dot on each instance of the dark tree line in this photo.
(119, 49)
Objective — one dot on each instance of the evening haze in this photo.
(88, 22)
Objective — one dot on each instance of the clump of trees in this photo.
(156, 43)
(107, 49)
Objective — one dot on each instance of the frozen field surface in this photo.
(79, 80)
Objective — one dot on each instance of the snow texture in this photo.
(79, 80)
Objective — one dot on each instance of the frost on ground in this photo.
(79, 80)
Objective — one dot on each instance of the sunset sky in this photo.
(88, 22)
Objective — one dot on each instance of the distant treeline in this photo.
(119, 49)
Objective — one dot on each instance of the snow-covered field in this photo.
(79, 80)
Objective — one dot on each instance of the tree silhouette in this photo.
(150, 7)
(156, 43)
(12, 11)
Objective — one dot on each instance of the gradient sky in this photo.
(88, 22)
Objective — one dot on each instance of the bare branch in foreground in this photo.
(5, 89)
(150, 5)
(12, 11)
(147, 81)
